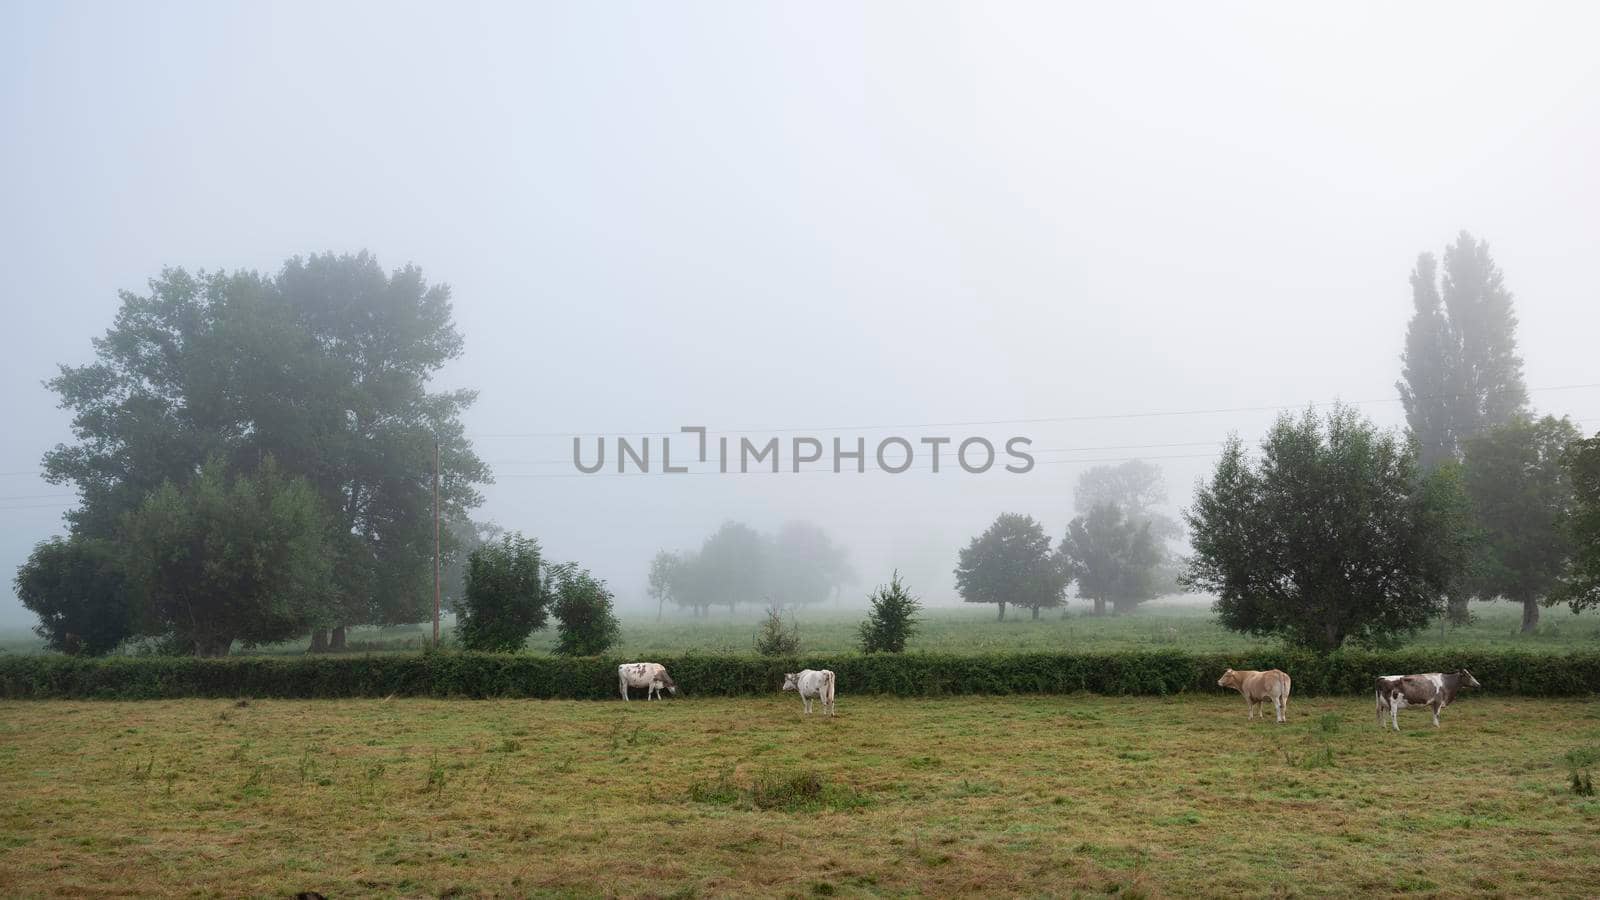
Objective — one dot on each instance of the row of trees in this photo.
(1117, 549)
(511, 591)
(253, 457)
(798, 565)
(1342, 531)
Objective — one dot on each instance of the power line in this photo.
(970, 424)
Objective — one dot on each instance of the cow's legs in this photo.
(805, 703)
(1436, 708)
(623, 683)
(1394, 714)
(1278, 707)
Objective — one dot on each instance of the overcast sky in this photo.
(795, 217)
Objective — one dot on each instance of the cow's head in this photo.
(791, 681)
(1467, 680)
(1229, 679)
(668, 683)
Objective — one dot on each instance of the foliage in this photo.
(325, 367)
(736, 564)
(230, 559)
(1333, 535)
(777, 637)
(521, 675)
(1112, 557)
(506, 598)
(586, 625)
(1136, 488)
(891, 620)
(1011, 562)
(1461, 374)
(77, 589)
(1521, 494)
(465, 535)
(1580, 588)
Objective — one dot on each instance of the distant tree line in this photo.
(1116, 549)
(1338, 530)
(797, 566)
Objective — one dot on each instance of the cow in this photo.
(1434, 689)
(812, 684)
(1259, 686)
(652, 676)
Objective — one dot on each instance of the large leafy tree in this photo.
(1333, 535)
(1461, 372)
(586, 623)
(1136, 488)
(78, 590)
(1580, 587)
(1011, 562)
(1522, 495)
(507, 596)
(325, 367)
(1112, 557)
(805, 565)
(230, 558)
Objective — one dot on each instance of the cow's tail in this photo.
(827, 687)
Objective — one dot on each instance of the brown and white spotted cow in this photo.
(1434, 690)
(1273, 684)
(651, 676)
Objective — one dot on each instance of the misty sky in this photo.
(803, 216)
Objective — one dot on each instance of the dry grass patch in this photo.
(1140, 797)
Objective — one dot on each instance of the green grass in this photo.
(746, 797)
(1158, 626)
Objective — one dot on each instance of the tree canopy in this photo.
(1461, 373)
(1580, 587)
(1011, 562)
(1333, 535)
(324, 367)
(230, 558)
(1522, 495)
(507, 595)
(1112, 557)
(736, 564)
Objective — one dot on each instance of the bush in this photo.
(506, 595)
(777, 638)
(587, 626)
(482, 675)
(892, 619)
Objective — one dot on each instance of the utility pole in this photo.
(435, 542)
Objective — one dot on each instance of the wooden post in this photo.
(436, 591)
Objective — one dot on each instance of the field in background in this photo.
(1156, 626)
(1018, 796)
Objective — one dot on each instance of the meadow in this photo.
(1158, 625)
(745, 797)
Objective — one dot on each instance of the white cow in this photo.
(813, 684)
(652, 676)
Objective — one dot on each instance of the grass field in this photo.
(1014, 796)
(1159, 625)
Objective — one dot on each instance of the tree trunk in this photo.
(1456, 611)
(319, 641)
(1036, 613)
(213, 645)
(1099, 606)
(1530, 616)
(1002, 612)
(336, 640)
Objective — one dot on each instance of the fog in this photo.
(1118, 230)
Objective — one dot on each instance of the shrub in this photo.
(481, 675)
(777, 638)
(587, 626)
(891, 620)
(506, 595)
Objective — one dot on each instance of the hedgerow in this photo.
(483, 675)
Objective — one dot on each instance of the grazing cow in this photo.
(652, 676)
(1434, 689)
(1259, 686)
(812, 684)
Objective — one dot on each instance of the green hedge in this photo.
(480, 675)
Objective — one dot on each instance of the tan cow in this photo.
(1258, 686)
